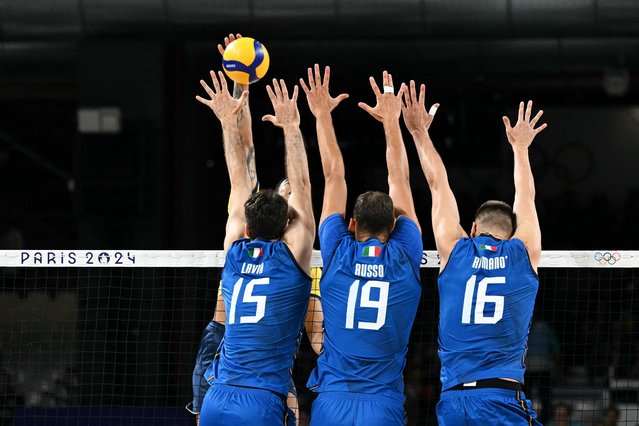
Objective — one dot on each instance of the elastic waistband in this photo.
(249, 389)
(358, 396)
(480, 393)
(487, 383)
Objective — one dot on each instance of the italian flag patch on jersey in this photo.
(372, 251)
(485, 247)
(255, 252)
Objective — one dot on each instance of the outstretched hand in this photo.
(222, 103)
(228, 40)
(237, 87)
(389, 105)
(524, 131)
(415, 116)
(286, 112)
(319, 100)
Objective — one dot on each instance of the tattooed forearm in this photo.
(296, 161)
(235, 156)
(237, 90)
(246, 135)
(250, 165)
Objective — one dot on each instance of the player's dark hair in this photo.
(496, 214)
(374, 212)
(266, 213)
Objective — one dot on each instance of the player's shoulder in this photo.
(332, 223)
(280, 250)
(236, 246)
(283, 254)
(519, 253)
(404, 224)
(406, 220)
(516, 242)
(463, 247)
(406, 231)
(516, 247)
(347, 244)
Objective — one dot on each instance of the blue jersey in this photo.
(487, 294)
(265, 295)
(370, 292)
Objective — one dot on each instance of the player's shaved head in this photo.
(266, 214)
(374, 213)
(495, 216)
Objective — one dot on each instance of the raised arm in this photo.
(226, 109)
(300, 232)
(387, 110)
(445, 214)
(520, 137)
(244, 120)
(314, 323)
(321, 104)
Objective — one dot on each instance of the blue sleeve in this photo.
(331, 231)
(291, 386)
(406, 234)
(209, 344)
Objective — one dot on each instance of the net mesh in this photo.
(115, 345)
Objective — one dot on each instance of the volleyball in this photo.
(245, 60)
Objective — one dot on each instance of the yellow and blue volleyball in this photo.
(245, 60)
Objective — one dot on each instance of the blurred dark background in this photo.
(144, 169)
(160, 182)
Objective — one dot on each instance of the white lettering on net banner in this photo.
(215, 258)
(112, 258)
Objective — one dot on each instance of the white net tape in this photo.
(215, 258)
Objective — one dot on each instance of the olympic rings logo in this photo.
(607, 257)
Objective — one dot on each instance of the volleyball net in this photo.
(106, 337)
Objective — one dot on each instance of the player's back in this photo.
(487, 294)
(370, 292)
(266, 295)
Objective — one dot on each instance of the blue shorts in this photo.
(233, 405)
(487, 406)
(354, 409)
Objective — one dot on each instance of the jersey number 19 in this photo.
(365, 302)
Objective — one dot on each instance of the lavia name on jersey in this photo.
(250, 268)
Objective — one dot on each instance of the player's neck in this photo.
(494, 235)
(364, 236)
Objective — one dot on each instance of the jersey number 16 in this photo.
(482, 299)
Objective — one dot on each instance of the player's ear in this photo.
(352, 225)
(390, 231)
(246, 231)
(473, 230)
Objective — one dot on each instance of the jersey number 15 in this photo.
(248, 298)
